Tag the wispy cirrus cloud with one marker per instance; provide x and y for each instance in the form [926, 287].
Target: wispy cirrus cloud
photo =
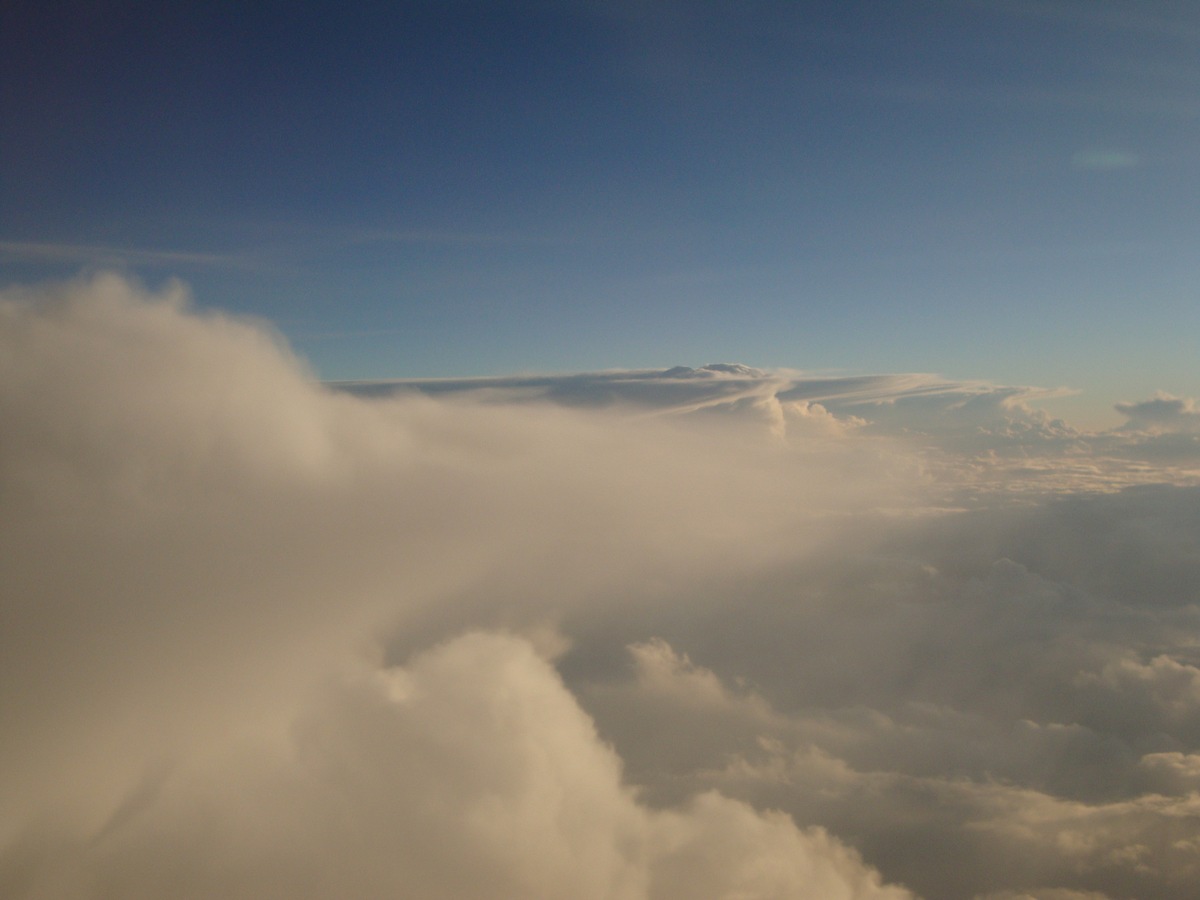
[453, 237]
[104, 256]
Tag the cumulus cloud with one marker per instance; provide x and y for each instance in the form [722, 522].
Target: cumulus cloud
[210, 561]
[714, 632]
[470, 772]
[1160, 414]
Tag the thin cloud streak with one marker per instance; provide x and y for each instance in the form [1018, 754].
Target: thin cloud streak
[105, 256]
[455, 238]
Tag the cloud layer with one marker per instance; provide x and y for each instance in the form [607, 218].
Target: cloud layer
[694, 633]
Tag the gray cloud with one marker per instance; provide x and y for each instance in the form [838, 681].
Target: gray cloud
[712, 632]
[1161, 413]
[1014, 686]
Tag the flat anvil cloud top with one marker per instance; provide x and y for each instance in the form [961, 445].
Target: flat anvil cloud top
[682, 387]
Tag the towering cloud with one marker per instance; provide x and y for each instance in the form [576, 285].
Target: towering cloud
[688, 633]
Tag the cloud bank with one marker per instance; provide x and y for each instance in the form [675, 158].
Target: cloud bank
[690, 633]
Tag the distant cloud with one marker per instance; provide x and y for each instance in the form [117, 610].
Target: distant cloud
[1161, 413]
[1104, 160]
[680, 633]
[1027, 450]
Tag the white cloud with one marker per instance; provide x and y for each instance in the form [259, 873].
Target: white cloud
[470, 772]
[706, 633]
[199, 541]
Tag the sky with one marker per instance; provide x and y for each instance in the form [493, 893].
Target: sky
[607, 451]
[993, 190]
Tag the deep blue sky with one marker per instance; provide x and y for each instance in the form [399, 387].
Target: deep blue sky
[998, 190]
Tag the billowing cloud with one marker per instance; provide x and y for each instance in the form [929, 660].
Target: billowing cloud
[207, 558]
[470, 772]
[713, 632]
